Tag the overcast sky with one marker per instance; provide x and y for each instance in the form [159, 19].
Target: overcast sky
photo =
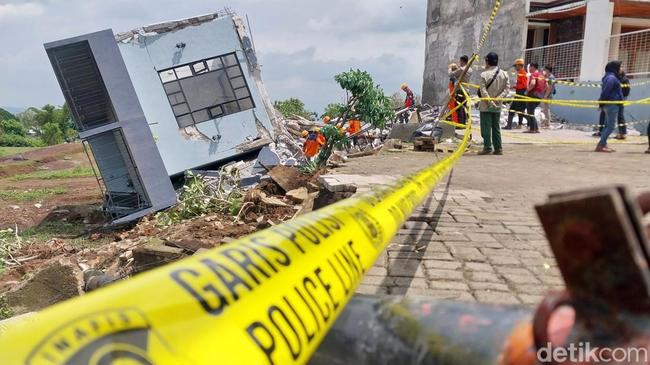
[301, 43]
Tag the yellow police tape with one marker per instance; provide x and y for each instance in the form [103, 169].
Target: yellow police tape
[269, 298]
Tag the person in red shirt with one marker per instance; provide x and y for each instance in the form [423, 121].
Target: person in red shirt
[536, 89]
[519, 107]
[408, 103]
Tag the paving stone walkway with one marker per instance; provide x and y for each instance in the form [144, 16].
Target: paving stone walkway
[467, 245]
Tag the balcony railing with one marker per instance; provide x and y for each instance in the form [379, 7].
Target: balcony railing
[565, 58]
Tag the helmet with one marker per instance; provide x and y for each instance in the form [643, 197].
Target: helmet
[520, 62]
[404, 86]
[304, 134]
[327, 119]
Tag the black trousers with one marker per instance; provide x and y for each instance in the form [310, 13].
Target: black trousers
[461, 113]
[517, 106]
[530, 110]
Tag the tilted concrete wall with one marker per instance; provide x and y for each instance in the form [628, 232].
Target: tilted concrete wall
[454, 28]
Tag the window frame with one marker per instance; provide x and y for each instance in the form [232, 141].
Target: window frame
[227, 69]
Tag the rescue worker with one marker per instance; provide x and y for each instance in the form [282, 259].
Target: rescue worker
[456, 74]
[315, 140]
[518, 107]
[354, 127]
[409, 102]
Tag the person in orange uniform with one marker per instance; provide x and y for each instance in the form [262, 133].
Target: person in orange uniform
[315, 140]
[354, 127]
[520, 88]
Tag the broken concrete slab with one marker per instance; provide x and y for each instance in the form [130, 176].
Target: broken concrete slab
[288, 178]
[266, 160]
[298, 195]
[403, 132]
[153, 254]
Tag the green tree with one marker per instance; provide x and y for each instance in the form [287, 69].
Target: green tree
[334, 110]
[367, 102]
[28, 118]
[292, 107]
[13, 127]
[5, 115]
[51, 134]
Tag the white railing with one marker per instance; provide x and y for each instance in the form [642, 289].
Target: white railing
[634, 50]
[565, 58]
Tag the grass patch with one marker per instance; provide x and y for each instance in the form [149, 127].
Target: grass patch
[30, 195]
[5, 311]
[10, 151]
[56, 174]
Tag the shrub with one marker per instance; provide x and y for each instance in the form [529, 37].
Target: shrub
[14, 127]
[52, 134]
[12, 140]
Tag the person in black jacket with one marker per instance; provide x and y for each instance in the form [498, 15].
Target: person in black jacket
[625, 85]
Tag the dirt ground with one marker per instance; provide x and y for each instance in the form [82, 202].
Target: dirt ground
[80, 191]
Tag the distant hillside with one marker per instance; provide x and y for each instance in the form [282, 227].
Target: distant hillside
[5, 115]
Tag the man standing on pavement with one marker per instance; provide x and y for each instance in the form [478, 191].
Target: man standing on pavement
[456, 75]
[519, 107]
[548, 94]
[495, 83]
[536, 89]
[612, 92]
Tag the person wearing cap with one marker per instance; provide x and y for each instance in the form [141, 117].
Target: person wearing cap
[409, 102]
[518, 107]
[313, 143]
[455, 75]
[495, 83]
[354, 127]
[327, 119]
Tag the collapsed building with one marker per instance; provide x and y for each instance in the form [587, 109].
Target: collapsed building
[156, 101]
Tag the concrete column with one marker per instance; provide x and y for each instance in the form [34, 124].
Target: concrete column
[615, 43]
[595, 48]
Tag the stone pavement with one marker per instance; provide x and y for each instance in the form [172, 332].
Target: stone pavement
[463, 245]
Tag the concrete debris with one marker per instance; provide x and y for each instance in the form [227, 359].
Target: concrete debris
[153, 254]
[288, 178]
[298, 195]
[266, 160]
[272, 201]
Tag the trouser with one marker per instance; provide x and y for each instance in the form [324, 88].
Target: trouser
[611, 117]
[622, 128]
[530, 110]
[462, 114]
[491, 130]
[404, 117]
[648, 135]
[517, 106]
[546, 110]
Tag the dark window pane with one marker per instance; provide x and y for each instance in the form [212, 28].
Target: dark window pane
[246, 104]
[176, 98]
[181, 109]
[238, 82]
[199, 67]
[231, 60]
[185, 121]
[201, 116]
[167, 76]
[234, 71]
[183, 71]
[216, 112]
[207, 90]
[172, 87]
[215, 64]
[242, 93]
[231, 108]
